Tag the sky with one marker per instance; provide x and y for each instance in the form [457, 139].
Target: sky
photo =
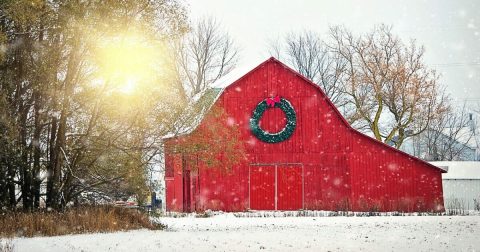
[449, 30]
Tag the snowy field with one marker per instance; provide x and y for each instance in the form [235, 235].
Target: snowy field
[226, 232]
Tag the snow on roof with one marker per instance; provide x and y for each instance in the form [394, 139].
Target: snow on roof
[192, 116]
[464, 136]
[459, 169]
[202, 102]
[237, 73]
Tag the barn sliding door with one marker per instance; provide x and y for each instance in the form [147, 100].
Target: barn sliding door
[276, 187]
[289, 188]
[262, 187]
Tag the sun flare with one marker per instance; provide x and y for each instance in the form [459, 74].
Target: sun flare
[126, 61]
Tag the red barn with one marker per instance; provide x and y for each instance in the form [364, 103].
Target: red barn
[314, 161]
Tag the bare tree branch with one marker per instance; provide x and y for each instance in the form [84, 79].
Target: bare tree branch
[204, 55]
[394, 95]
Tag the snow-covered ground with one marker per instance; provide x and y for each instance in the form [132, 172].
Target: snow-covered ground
[225, 232]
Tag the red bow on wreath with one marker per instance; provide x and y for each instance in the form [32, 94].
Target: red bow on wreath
[271, 101]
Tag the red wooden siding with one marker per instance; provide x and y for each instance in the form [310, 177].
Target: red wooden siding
[325, 164]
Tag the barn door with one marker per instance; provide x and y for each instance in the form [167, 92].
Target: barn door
[186, 191]
[262, 187]
[289, 188]
[276, 187]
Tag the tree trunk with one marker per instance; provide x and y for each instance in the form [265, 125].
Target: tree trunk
[26, 171]
[36, 152]
[11, 185]
[60, 142]
[38, 128]
[51, 165]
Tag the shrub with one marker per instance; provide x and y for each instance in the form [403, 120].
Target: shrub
[476, 204]
[455, 206]
[73, 221]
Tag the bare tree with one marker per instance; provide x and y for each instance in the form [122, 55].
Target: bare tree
[450, 136]
[309, 55]
[476, 108]
[392, 92]
[204, 55]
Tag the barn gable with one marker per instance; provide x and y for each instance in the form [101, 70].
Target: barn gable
[229, 82]
[325, 164]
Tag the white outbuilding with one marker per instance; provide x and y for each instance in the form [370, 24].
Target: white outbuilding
[461, 184]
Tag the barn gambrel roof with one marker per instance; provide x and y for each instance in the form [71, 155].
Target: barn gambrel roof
[237, 75]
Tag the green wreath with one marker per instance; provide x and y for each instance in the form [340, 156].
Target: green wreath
[282, 135]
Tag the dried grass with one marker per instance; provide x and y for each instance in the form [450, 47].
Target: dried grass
[73, 221]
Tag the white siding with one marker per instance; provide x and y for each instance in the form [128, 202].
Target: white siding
[464, 190]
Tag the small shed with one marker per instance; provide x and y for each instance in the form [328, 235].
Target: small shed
[300, 154]
[461, 184]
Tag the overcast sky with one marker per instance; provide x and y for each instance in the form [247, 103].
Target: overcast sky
[449, 30]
